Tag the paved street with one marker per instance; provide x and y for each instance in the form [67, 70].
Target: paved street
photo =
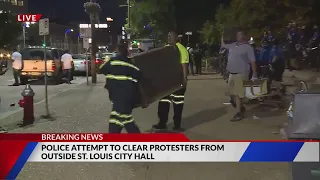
[10, 95]
[86, 109]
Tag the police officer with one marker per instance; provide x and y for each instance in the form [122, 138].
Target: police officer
[177, 98]
[293, 39]
[264, 54]
[256, 53]
[313, 43]
[278, 65]
[122, 84]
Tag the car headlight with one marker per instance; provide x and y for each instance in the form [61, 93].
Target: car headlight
[8, 55]
[1, 55]
[107, 58]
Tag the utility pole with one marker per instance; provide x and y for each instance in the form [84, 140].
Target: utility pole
[128, 5]
[129, 23]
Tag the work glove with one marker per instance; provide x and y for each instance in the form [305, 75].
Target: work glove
[254, 77]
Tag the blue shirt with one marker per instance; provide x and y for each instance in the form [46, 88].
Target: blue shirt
[294, 36]
[276, 52]
[270, 38]
[315, 36]
[257, 54]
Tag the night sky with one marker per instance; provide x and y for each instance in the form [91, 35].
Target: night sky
[72, 10]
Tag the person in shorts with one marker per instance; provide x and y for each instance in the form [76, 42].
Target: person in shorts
[241, 54]
[278, 65]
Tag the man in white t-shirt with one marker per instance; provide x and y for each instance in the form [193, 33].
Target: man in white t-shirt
[66, 59]
[17, 66]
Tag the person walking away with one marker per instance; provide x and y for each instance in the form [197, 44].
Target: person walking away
[198, 58]
[191, 58]
[17, 66]
[177, 98]
[240, 55]
[122, 79]
[278, 65]
[66, 59]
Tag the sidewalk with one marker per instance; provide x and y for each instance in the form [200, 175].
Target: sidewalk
[86, 109]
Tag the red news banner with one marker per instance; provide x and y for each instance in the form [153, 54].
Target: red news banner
[28, 17]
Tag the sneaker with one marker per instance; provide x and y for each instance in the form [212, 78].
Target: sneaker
[237, 117]
[159, 127]
[15, 84]
[3, 131]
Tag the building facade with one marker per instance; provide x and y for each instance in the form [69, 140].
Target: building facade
[14, 6]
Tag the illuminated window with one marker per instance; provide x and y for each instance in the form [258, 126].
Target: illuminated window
[14, 2]
[20, 3]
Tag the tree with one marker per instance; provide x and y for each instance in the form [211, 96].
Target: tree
[10, 29]
[151, 18]
[259, 15]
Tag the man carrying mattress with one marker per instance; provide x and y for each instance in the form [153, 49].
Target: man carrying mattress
[177, 98]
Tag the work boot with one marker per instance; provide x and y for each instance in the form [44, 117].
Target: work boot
[237, 117]
[159, 127]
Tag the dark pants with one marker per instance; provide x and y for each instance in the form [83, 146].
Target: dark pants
[121, 117]
[177, 98]
[68, 74]
[191, 67]
[16, 75]
[313, 58]
[262, 69]
[292, 54]
[198, 65]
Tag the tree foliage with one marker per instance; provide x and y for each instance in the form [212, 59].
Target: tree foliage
[151, 18]
[10, 29]
[259, 15]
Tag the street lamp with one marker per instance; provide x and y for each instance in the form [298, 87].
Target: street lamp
[25, 25]
[66, 36]
[128, 5]
[109, 19]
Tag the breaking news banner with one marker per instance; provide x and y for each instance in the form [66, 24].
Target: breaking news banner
[91, 147]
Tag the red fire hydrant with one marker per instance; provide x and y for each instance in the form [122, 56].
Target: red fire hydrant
[27, 104]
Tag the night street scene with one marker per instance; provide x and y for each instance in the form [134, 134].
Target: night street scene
[213, 70]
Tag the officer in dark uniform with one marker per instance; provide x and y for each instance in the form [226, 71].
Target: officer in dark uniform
[314, 47]
[264, 54]
[122, 83]
[293, 39]
[177, 98]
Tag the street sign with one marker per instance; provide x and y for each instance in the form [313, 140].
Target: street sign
[180, 35]
[188, 33]
[86, 43]
[85, 32]
[44, 27]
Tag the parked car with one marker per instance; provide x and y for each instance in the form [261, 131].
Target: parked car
[34, 64]
[107, 56]
[4, 58]
[80, 62]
